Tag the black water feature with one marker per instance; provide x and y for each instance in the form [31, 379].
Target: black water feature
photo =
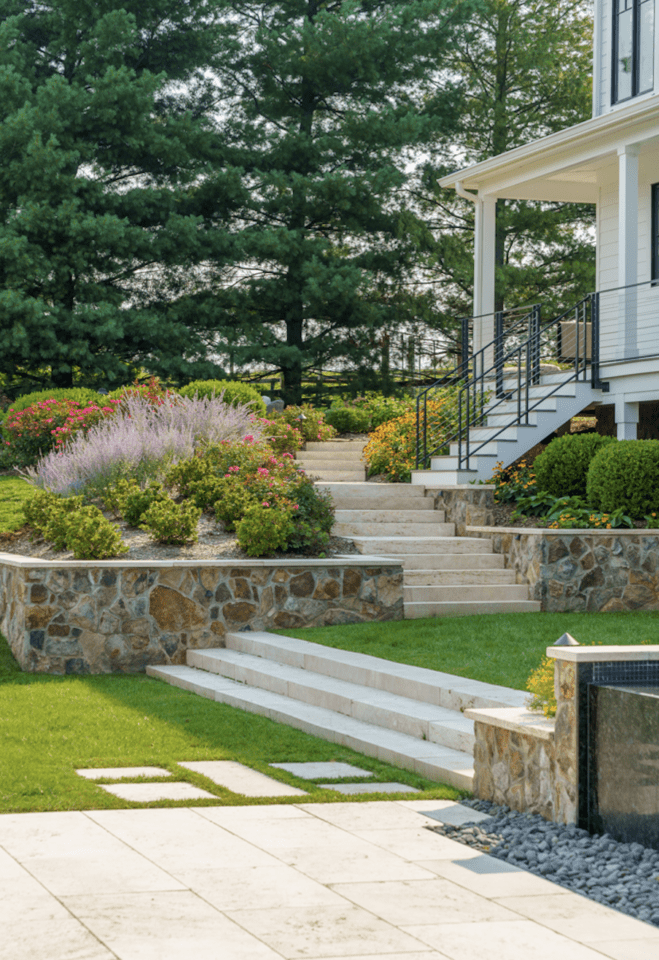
[620, 705]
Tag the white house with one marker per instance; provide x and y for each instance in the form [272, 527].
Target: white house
[611, 161]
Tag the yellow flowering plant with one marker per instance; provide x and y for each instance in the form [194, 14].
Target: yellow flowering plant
[391, 448]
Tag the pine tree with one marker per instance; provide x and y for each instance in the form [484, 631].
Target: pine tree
[322, 104]
[101, 135]
[526, 69]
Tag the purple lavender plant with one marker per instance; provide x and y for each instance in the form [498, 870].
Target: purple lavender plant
[141, 442]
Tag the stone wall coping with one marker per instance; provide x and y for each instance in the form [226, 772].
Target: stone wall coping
[580, 532]
[517, 719]
[604, 654]
[461, 486]
[348, 560]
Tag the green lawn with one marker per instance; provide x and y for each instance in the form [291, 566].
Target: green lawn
[13, 493]
[49, 726]
[500, 648]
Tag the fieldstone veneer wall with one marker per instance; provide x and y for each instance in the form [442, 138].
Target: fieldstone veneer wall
[572, 570]
[117, 616]
[465, 505]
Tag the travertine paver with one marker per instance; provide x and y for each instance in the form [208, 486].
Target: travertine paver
[352, 788]
[340, 881]
[117, 773]
[329, 770]
[241, 779]
[151, 792]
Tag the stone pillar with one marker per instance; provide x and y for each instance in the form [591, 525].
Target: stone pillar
[626, 420]
[627, 250]
[566, 741]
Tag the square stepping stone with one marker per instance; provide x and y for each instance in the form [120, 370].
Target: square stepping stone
[350, 788]
[151, 792]
[332, 770]
[243, 780]
[456, 815]
[117, 773]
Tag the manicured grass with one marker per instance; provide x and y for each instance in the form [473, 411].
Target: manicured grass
[500, 648]
[50, 726]
[13, 493]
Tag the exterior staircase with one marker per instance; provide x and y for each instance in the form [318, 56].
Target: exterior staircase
[444, 575]
[334, 460]
[407, 716]
[554, 401]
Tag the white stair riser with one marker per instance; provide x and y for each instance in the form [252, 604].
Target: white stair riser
[428, 519]
[453, 577]
[449, 593]
[420, 610]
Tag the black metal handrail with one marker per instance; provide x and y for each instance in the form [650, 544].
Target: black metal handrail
[484, 387]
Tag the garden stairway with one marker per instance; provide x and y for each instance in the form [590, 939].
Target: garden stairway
[334, 460]
[408, 716]
[444, 575]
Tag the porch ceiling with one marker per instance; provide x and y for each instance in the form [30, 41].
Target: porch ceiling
[568, 166]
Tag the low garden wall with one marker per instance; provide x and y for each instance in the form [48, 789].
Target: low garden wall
[465, 505]
[118, 616]
[576, 570]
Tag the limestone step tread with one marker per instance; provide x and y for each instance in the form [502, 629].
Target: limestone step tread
[459, 562]
[392, 528]
[443, 593]
[392, 711]
[458, 577]
[429, 759]
[416, 610]
[414, 505]
[368, 515]
[418, 683]
[383, 546]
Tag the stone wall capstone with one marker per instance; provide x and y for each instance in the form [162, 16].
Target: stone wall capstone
[115, 616]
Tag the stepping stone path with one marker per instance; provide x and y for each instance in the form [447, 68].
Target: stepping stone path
[444, 575]
[404, 715]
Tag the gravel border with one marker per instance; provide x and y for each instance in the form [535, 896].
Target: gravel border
[624, 876]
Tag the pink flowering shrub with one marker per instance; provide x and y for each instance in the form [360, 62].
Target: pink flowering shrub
[283, 437]
[309, 421]
[34, 431]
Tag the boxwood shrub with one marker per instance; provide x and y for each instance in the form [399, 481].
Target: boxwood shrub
[625, 474]
[561, 469]
[234, 392]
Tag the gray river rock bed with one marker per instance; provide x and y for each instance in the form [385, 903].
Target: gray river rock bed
[624, 876]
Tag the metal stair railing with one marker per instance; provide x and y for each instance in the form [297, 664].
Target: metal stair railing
[573, 336]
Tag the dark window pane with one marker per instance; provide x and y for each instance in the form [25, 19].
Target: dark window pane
[655, 231]
[646, 46]
[625, 70]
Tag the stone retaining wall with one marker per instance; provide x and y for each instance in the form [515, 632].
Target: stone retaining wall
[117, 616]
[576, 570]
[465, 505]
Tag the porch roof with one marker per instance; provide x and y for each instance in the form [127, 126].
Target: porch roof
[568, 166]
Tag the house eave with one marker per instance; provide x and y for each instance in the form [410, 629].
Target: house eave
[587, 141]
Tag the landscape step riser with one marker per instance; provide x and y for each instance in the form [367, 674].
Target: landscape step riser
[436, 517]
[405, 529]
[382, 546]
[450, 593]
[453, 561]
[421, 610]
[412, 506]
[455, 577]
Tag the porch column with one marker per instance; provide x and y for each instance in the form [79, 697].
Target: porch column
[626, 420]
[627, 249]
[484, 263]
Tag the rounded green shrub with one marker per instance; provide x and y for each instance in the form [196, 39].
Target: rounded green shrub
[263, 530]
[135, 502]
[348, 419]
[234, 393]
[81, 394]
[625, 474]
[561, 468]
[170, 522]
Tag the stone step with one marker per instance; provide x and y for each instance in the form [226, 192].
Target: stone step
[418, 683]
[335, 446]
[428, 759]
[452, 561]
[442, 477]
[324, 473]
[408, 504]
[355, 529]
[344, 455]
[422, 720]
[379, 515]
[395, 546]
[453, 592]
[468, 608]
[451, 575]
[363, 489]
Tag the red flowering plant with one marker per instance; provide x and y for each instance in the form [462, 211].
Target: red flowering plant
[35, 431]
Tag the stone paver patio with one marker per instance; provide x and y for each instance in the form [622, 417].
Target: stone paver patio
[357, 881]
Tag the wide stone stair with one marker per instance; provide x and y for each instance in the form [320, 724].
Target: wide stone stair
[407, 716]
[334, 460]
[444, 575]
